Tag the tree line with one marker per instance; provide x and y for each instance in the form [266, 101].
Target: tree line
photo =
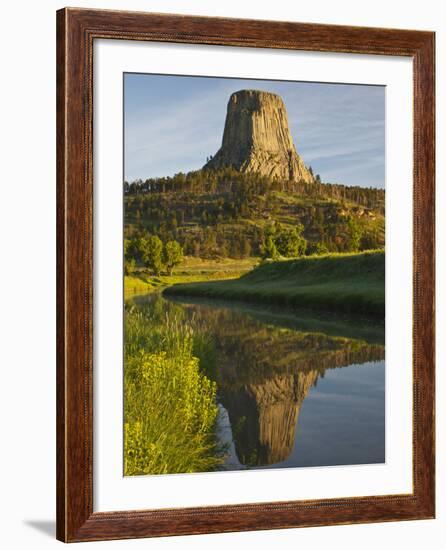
[227, 179]
[151, 252]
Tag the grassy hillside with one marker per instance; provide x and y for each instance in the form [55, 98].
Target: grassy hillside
[351, 283]
[230, 214]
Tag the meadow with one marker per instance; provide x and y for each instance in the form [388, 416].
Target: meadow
[191, 270]
[350, 283]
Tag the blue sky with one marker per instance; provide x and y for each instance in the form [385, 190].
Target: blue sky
[172, 123]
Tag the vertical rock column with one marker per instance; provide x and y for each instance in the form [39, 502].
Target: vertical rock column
[257, 138]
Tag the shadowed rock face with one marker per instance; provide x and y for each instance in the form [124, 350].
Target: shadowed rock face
[257, 138]
[270, 412]
[265, 376]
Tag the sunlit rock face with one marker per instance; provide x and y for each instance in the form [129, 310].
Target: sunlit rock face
[257, 138]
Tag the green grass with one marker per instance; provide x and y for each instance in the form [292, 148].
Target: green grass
[191, 270]
[352, 283]
[170, 408]
[136, 284]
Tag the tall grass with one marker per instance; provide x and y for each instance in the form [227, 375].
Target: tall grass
[170, 409]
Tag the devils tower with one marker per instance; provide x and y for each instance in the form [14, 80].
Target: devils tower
[257, 138]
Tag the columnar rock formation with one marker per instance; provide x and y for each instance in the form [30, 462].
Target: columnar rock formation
[265, 372]
[270, 411]
[264, 413]
[257, 138]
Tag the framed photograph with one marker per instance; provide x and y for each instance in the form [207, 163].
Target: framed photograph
[245, 275]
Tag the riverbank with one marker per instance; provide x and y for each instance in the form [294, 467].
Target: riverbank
[351, 283]
[191, 270]
[170, 403]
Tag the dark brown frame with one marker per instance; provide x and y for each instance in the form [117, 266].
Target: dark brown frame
[76, 31]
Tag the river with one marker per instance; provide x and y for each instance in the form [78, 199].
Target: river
[295, 389]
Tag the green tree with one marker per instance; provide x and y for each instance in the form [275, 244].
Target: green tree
[173, 255]
[370, 240]
[153, 254]
[269, 249]
[129, 257]
[355, 234]
[290, 243]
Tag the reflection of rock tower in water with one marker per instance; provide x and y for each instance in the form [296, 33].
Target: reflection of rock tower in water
[264, 417]
[264, 373]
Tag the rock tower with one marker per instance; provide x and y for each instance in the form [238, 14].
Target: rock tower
[257, 138]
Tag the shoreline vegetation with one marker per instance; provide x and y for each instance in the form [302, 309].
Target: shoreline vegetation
[191, 270]
[170, 405]
[347, 283]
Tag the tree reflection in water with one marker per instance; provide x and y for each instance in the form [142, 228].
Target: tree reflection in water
[265, 364]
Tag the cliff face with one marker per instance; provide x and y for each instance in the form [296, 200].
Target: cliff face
[257, 138]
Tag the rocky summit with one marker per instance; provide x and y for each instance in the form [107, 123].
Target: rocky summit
[257, 138]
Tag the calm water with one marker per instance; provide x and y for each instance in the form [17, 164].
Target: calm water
[294, 389]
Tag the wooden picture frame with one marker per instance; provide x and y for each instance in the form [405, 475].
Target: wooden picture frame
[76, 31]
